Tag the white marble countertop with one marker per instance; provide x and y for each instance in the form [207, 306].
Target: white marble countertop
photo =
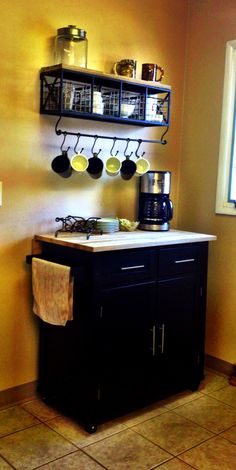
[123, 240]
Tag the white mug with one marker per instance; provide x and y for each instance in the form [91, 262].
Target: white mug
[127, 109]
[151, 107]
[68, 95]
[98, 105]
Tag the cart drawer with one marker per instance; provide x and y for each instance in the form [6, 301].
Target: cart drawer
[127, 267]
[177, 260]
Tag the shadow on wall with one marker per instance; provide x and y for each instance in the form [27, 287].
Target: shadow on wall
[120, 197]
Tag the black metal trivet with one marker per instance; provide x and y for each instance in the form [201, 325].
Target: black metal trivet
[73, 223]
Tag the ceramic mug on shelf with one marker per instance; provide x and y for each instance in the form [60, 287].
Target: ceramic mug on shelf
[68, 95]
[150, 72]
[151, 107]
[98, 105]
[126, 109]
[125, 67]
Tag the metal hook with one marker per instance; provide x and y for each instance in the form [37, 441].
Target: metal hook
[127, 156]
[95, 139]
[75, 147]
[64, 138]
[136, 152]
[113, 145]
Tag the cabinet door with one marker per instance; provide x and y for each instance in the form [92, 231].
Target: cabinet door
[125, 345]
[178, 330]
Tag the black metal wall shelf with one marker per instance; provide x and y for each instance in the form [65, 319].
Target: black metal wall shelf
[69, 92]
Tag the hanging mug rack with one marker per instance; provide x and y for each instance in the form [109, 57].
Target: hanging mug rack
[94, 165]
[127, 139]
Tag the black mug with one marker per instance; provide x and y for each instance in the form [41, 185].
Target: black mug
[95, 166]
[61, 165]
[128, 168]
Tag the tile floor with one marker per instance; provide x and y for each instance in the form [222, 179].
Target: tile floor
[187, 431]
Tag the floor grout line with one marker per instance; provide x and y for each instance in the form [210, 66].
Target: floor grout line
[129, 427]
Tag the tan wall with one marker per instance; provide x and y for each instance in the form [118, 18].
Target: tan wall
[150, 31]
[212, 23]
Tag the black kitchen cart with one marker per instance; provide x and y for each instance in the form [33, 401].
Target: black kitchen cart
[138, 330]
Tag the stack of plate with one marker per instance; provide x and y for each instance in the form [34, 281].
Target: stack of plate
[107, 225]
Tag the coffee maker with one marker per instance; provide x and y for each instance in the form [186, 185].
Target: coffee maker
[155, 208]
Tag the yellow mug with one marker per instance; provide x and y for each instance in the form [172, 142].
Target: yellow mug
[79, 163]
[142, 166]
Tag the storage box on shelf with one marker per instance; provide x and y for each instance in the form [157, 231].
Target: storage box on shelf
[71, 92]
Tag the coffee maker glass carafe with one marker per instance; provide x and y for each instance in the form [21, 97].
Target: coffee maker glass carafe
[155, 207]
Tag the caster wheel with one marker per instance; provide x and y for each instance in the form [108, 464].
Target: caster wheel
[48, 399]
[194, 386]
[90, 428]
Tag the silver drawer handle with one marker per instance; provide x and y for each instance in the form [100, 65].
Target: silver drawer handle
[126, 268]
[187, 260]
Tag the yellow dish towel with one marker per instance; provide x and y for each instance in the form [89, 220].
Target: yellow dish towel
[52, 285]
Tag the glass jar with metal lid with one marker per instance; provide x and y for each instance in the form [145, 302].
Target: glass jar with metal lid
[71, 46]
